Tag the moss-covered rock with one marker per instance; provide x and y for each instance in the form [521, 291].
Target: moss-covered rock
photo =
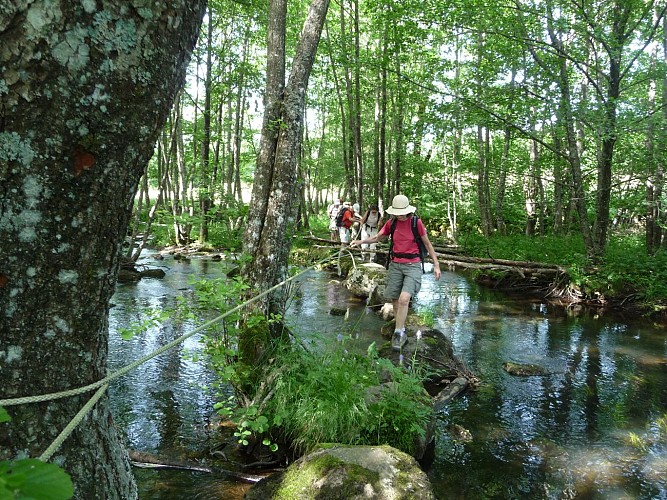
[523, 369]
[336, 471]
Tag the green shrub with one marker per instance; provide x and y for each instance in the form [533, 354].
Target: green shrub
[326, 397]
[561, 250]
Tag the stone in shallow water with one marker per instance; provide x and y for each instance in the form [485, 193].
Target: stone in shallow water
[339, 471]
[523, 369]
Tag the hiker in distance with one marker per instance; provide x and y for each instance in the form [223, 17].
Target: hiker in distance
[332, 212]
[404, 276]
[371, 222]
[344, 220]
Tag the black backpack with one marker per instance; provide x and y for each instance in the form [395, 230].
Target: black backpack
[339, 217]
[423, 252]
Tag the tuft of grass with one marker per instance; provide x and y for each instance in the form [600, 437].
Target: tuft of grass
[333, 396]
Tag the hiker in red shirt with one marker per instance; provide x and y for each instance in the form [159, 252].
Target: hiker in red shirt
[345, 221]
[404, 275]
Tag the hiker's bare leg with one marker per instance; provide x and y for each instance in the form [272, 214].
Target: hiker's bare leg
[401, 310]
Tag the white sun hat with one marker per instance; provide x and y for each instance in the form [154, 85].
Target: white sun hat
[400, 205]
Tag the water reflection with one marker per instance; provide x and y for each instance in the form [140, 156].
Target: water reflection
[565, 434]
[589, 428]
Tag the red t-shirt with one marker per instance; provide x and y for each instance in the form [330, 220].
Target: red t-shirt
[348, 220]
[404, 240]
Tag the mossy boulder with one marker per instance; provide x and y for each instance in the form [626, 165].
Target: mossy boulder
[364, 279]
[335, 471]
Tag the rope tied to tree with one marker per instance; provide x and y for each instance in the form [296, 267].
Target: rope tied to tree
[103, 384]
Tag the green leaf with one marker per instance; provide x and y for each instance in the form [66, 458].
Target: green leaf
[4, 416]
[126, 333]
[34, 479]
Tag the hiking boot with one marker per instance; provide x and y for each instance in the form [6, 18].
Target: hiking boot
[398, 340]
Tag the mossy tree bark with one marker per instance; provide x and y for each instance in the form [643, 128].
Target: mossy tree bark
[85, 90]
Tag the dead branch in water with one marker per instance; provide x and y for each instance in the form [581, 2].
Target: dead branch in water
[524, 269]
[147, 461]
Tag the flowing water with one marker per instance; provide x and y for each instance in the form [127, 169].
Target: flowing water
[593, 426]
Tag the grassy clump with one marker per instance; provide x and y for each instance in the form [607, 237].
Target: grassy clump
[561, 250]
[627, 269]
[334, 396]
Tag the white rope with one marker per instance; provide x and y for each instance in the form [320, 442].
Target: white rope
[103, 384]
[122, 371]
[340, 252]
[64, 434]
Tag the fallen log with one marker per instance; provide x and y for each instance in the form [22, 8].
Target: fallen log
[543, 271]
[456, 387]
[148, 461]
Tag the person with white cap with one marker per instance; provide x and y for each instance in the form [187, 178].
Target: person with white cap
[404, 275]
[332, 212]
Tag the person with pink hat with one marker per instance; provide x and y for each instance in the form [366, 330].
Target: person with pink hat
[404, 275]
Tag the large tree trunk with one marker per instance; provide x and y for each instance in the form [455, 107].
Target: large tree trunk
[87, 88]
[275, 200]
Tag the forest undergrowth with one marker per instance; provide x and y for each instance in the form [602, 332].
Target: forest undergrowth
[626, 277]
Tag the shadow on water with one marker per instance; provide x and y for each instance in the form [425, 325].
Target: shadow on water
[594, 426]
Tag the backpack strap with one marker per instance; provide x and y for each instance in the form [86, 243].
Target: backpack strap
[418, 240]
[394, 220]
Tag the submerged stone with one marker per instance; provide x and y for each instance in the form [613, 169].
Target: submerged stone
[523, 369]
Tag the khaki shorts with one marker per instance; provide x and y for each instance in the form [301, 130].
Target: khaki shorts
[403, 278]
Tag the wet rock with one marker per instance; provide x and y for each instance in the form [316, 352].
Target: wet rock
[523, 369]
[128, 275]
[460, 433]
[338, 311]
[432, 351]
[152, 273]
[431, 347]
[451, 390]
[338, 471]
[364, 279]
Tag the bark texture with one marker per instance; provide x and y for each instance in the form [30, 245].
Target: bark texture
[84, 89]
[275, 200]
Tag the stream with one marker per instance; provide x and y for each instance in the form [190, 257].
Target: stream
[595, 426]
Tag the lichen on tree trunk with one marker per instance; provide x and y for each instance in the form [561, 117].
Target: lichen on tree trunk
[86, 87]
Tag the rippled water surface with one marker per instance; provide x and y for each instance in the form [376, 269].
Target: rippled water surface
[592, 427]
